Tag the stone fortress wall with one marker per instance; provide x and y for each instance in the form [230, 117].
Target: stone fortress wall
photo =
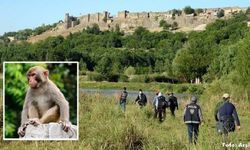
[130, 20]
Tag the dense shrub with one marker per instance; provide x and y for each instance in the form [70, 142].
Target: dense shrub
[93, 76]
[188, 10]
[196, 89]
[113, 77]
[123, 78]
[140, 78]
[180, 88]
[162, 78]
[129, 71]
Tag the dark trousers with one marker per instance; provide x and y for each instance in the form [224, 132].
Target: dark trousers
[161, 113]
[172, 109]
[141, 104]
[155, 115]
[193, 128]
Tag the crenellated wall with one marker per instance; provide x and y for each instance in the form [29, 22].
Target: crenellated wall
[130, 20]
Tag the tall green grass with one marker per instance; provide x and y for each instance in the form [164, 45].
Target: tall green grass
[107, 127]
[104, 126]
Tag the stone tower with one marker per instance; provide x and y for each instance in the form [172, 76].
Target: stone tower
[67, 21]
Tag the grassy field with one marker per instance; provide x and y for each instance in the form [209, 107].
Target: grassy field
[104, 126]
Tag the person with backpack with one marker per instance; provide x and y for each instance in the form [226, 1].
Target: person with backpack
[123, 99]
[141, 99]
[172, 103]
[160, 107]
[192, 118]
[226, 116]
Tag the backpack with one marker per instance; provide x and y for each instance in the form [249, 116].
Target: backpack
[161, 102]
[144, 98]
[173, 101]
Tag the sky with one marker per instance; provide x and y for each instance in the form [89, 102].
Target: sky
[21, 14]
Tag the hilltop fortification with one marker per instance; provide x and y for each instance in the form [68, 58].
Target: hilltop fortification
[129, 21]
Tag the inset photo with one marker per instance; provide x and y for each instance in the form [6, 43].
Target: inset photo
[40, 100]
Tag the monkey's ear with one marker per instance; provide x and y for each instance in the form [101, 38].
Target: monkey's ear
[46, 73]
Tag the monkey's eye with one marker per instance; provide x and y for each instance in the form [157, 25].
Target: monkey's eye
[33, 74]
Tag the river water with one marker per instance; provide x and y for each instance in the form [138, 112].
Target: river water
[132, 95]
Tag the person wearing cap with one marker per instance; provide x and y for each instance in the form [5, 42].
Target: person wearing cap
[192, 118]
[141, 99]
[226, 116]
[123, 98]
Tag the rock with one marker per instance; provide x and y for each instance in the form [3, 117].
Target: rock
[50, 131]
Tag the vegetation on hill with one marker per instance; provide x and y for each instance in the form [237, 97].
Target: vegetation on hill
[23, 35]
[221, 52]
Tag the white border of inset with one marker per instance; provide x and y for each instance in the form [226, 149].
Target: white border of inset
[40, 62]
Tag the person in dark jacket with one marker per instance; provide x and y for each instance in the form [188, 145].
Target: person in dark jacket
[173, 103]
[226, 116]
[141, 99]
[193, 118]
[123, 98]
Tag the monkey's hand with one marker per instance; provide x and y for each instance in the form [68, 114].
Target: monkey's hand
[66, 125]
[21, 129]
[35, 121]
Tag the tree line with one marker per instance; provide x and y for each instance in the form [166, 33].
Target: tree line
[218, 51]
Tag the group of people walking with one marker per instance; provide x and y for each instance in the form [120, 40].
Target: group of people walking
[225, 112]
[160, 104]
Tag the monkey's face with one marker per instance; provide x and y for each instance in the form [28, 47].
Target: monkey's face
[33, 79]
[36, 76]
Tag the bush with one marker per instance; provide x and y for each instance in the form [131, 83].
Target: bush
[140, 78]
[129, 71]
[221, 13]
[162, 78]
[199, 10]
[248, 10]
[181, 88]
[164, 25]
[152, 78]
[93, 76]
[196, 89]
[123, 78]
[188, 10]
[113, 77]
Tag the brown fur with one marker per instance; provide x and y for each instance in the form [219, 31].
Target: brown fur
[44, 102]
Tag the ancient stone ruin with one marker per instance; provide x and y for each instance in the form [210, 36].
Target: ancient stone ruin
[129, 21]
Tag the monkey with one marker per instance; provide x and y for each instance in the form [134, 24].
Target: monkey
[44, 102]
